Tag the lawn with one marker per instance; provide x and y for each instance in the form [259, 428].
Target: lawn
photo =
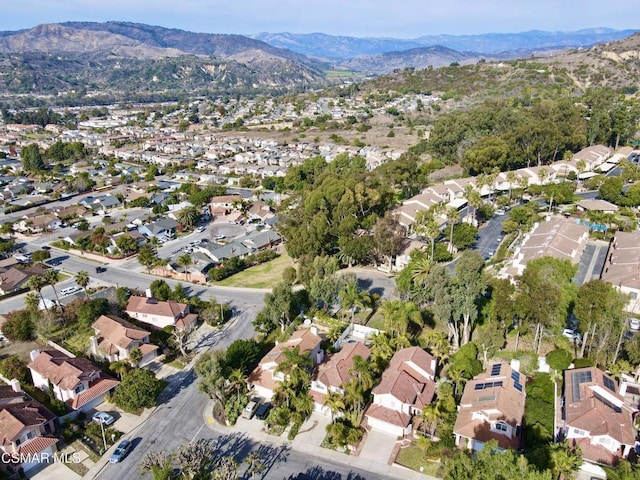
[265, 275]
[376, 321]
[413, 458]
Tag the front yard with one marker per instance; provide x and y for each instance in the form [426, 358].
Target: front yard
[412, 457]
[265, 275]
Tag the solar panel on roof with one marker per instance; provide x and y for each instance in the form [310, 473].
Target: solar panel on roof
[495, 369]
[609, 383]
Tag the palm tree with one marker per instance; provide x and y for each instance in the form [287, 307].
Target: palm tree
[120, 367]
[381, 348]
[354, 397]
[427, 227]
[32, 301]
[51, 277]
[188, 217]
[361, 372]
[185, 261]
[453, 216]
[423, 444]
[429, 417]
[564, 460]
[351, 297]
[285, 391]
[458, 378]
[398, 315]
[334, 401]
[511, 178]
[236, 382]
[82, 279]
[473, 198]
[295, 367]
[36, 283]
[420, 270]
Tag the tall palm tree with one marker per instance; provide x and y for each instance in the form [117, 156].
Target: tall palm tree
[334, 401]
[511, 179]
[36, 283]
[295, 367]
[32, 301]
[458, 378]
[185, 261]
[236, 382]
[453, 216]
[420, 270]
[351, 297]
[354, 398]
[82, 279]
[564, 460]
[429, 417]
[398, 315]
[427, 227]
[473, 198]
[51, 277]
[361, 372]
[381, 348]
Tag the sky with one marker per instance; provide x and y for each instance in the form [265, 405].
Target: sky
[357, 18]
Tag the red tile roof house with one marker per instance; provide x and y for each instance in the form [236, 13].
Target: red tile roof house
[26, 429]
[596, 416]
[492, 408]
[160, 314]
[264, 380]
[115, 338]
[333, 374]
[406, 387]
[75, 381]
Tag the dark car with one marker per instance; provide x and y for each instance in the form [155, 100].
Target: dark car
[121, 451]
[263, 411]
[101, 269]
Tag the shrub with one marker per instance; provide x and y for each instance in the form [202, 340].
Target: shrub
[19, 326]
[139, 389]
[559, 359]
[583, 362]
[12, 367]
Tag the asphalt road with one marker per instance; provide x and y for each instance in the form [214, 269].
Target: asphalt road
[180, 419]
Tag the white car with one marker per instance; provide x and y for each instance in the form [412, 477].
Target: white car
[572, 335]
[103, 418]
[70, 290]
[634, 324]
[500, 212]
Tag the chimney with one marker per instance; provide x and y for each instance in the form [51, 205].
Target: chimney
[33, 354]
[15, 385]
[515, 364]
[93, 342]
[147, 293]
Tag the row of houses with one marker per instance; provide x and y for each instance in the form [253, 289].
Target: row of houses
[597, 417]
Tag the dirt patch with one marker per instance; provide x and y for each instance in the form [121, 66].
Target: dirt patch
[21, 349]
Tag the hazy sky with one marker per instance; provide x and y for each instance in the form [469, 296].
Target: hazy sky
[360, 18]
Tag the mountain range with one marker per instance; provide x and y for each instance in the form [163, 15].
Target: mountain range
[143, 61]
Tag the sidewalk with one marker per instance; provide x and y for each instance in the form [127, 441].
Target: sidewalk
[308, 442]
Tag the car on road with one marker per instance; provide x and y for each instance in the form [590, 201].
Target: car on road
[103, 418]
[202, 228]
[101, 269]
[219, 237]
[634, 324]
[70, 290]
[500, 212]
[572, 334]
[263, 410]
[46, 247]
[251, 408]
[123, 448]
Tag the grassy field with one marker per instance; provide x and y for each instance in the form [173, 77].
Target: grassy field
[265, 275]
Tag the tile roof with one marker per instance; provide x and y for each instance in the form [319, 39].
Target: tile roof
[304, 339]
[592, 404]
[403, 380]
[622, 265]
[152, 306]
[63, 370]
[498, 399]
[114, 331]
[96, 389]
[335, 371]
[388, 415]
[37, 445]
[14, 418]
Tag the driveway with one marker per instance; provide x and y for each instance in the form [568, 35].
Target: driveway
[54, 470]
[378, 446]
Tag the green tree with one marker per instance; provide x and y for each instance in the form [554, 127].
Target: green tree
[36, 283]
[139, 389]
[82, 279]
[185, 261]
[188, 217]
[565, 460]
[398, 316]
[334, 401]
[148, 256]
[472, 285]
[31, 159]
[463, 235]
[126, 244]
[51, 277]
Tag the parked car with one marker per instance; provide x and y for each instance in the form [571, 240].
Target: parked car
[251, 408]
[263, 411]
[500, 212]
[572, 335]
[70, 290]
[634, 324]
[103, 418]
[123, 448]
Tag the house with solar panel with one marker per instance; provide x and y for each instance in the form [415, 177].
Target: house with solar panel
[492, 408]
[596, 417]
